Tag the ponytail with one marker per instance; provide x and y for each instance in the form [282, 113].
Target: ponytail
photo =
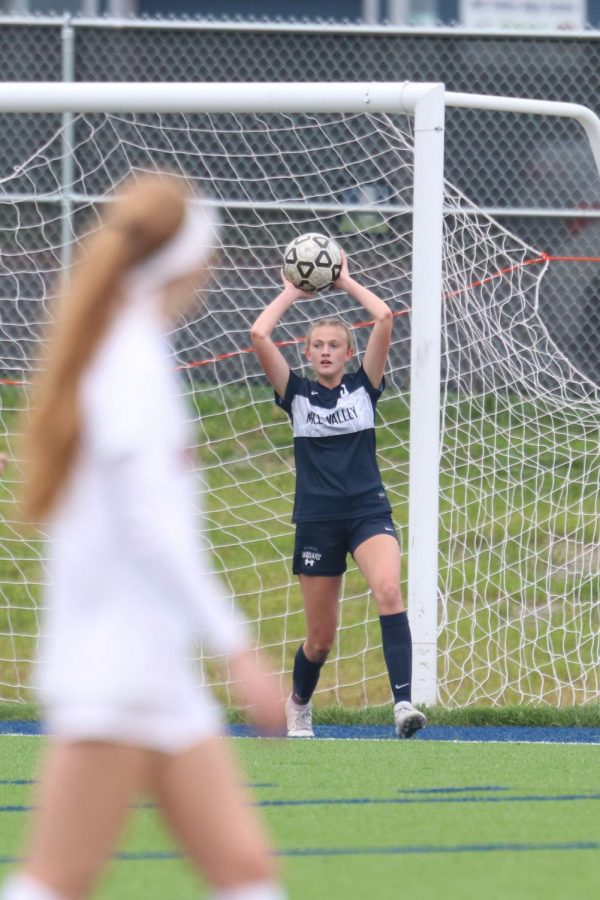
[144, 216]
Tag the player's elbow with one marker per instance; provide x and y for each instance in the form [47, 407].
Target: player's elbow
[385, 314]
[258, 334]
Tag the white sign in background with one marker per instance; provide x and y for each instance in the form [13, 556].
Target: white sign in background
[563, 15]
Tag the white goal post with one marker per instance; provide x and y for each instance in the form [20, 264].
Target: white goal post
[425, 104]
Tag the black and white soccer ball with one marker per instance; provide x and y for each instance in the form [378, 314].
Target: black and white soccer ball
[312, 262]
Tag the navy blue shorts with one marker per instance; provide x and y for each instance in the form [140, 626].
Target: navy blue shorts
[321, 547]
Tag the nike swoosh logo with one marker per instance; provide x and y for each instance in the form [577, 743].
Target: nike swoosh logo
[398, 686]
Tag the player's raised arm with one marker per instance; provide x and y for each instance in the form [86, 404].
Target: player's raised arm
[378, 347]
[271, 358]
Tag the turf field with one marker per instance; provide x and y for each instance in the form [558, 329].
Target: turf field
[379, 819]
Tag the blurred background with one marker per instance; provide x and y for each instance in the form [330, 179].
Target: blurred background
[534, 175]
[562, 14]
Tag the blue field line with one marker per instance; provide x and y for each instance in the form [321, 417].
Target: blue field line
[479, 733]
[411, 801]
[18, 781]
[378, 801]
[408, 850]
[453, 848]
[453, 790]
[19, 726]
[263, 784]
[250, 784]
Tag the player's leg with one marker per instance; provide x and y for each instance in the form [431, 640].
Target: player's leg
[378, 557]
[202, 796]
[84, 797]
[319, 562]
[320, 596]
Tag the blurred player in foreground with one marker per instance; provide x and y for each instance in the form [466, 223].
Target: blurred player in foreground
[340, 505]
[109, 470]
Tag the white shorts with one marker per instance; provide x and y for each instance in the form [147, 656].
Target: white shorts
[109, 673]
[167, 731]
[153, 697]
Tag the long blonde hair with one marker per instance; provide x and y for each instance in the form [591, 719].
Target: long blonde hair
[146, 213]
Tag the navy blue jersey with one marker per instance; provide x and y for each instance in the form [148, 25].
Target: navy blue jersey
[334, 446]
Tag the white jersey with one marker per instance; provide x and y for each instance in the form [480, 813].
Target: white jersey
[129, 587]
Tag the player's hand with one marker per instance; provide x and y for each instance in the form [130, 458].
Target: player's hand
[258, 691]
[344, 277]
[292, 289]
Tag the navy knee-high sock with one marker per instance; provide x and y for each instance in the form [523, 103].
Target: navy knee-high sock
[397, 650]
[305, 677]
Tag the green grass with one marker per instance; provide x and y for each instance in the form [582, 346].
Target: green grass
[587, 716]
[440, 866]
[519, 557]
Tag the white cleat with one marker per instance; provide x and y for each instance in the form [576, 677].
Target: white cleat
[299, 719]
[408, 720]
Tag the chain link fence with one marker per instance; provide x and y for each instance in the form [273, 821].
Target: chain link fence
[536, 176]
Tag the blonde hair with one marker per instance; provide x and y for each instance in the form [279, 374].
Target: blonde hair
[146, 213]
[333, 322]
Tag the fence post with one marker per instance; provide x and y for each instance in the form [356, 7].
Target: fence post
[67, 162]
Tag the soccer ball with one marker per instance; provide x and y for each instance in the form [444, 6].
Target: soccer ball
[312, 262]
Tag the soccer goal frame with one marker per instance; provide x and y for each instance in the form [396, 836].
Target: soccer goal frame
[426, 104]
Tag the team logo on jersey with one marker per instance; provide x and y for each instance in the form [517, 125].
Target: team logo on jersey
[352, 412]
[345, 414]
[310, 557]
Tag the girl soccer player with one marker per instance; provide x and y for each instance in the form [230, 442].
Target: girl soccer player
[109, 469]
[340, 504]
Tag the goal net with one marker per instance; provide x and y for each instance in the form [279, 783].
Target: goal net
[519, 538]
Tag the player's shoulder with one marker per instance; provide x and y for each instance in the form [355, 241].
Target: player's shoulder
[297, 386]
[354, 381]
[300, 384]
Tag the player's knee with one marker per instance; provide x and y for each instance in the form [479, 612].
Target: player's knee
[388, 598]
[318, 647]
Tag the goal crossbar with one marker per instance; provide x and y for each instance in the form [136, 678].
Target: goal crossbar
[211, 97]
